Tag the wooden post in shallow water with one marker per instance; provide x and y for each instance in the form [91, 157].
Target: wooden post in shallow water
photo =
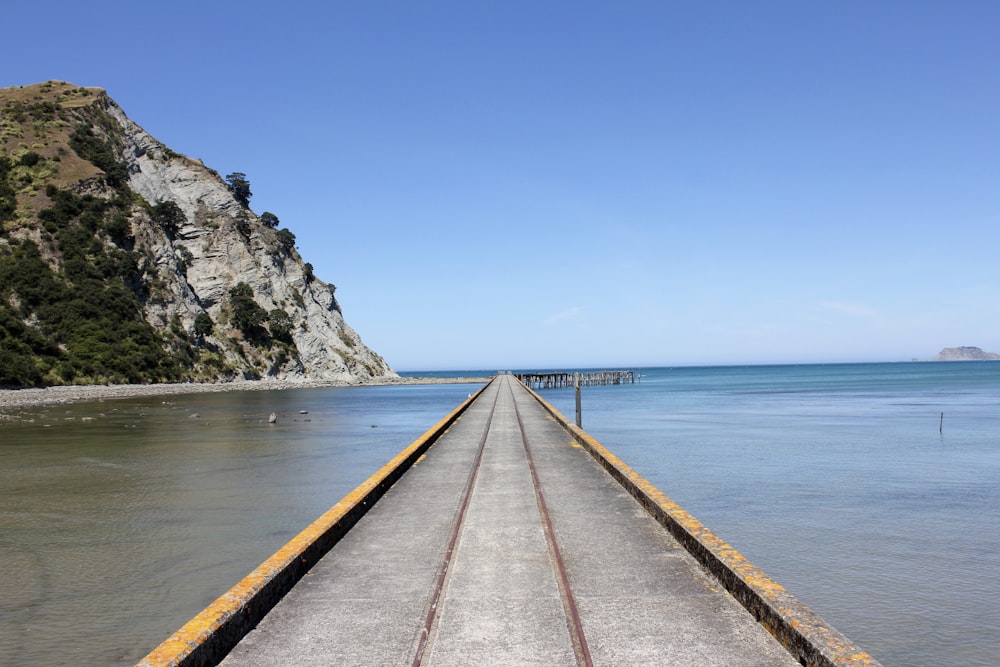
[941, 424]
[560, 379]
[579, 410]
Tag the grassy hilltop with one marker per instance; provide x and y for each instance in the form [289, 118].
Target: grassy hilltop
[70, 282]
[122, 261]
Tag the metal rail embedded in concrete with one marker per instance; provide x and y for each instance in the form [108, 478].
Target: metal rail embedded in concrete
[209, 636]
[802, 632]
[506, 543]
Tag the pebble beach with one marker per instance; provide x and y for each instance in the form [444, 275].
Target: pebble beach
[14, 399]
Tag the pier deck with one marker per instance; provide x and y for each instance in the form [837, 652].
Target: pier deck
[508, 544]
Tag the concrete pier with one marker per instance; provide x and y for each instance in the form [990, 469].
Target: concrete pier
[514, 539]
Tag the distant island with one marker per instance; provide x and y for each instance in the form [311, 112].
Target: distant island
[966, 354]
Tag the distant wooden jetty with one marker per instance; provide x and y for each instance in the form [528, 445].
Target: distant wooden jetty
[561, 379]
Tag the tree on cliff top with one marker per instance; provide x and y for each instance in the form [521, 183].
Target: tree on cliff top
[240, 187]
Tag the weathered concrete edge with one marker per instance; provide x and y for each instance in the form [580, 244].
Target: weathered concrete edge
[800, 630]
[208, 637]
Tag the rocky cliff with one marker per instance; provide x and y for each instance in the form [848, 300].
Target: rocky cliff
[965, 354]
[124, 261]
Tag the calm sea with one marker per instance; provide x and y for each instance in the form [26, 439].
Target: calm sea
[121, 520]
[842, 482]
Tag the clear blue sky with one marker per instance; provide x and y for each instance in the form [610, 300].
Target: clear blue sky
[549, 184]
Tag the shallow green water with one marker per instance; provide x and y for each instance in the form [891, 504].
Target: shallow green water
[120, 520]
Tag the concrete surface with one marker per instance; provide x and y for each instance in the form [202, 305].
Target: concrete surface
[642, 598]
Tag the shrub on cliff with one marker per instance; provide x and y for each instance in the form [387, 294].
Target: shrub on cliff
[286, 238]
[247, 314]
[280, 324]
[100, 153]
[169, 216]
[203, 325]
[269, 219]
[8, 201]
[240, 187]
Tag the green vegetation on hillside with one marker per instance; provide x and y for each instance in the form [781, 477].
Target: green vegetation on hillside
[8, 196]
[84, 268]
[100, 153]
[248, 316]
[87, 323]
[170, 216]
[71, 292]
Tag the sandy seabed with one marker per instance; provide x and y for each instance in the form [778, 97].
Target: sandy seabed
[23, 398]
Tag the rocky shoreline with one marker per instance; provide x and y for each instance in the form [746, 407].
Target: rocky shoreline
[24, 398]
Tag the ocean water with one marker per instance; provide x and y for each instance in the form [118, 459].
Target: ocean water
[842, 482]
[120, 520]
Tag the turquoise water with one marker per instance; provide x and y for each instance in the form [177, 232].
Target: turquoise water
[842, 482]
[120, 520]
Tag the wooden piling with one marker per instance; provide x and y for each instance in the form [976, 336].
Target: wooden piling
[562, 379]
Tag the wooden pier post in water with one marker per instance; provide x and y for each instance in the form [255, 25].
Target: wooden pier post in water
[562, 379]
[579, 411]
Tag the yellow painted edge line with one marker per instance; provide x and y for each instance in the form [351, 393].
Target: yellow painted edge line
[800, 630]
[180, 646]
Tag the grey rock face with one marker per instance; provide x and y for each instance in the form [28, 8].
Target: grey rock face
[218, 245]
